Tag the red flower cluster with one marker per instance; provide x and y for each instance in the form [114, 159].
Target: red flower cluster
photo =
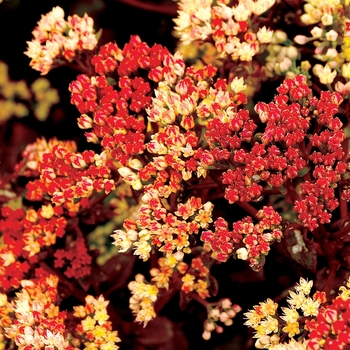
[67, 176]
[318, 198]
[24, 234]
[256, 238]
[331, 328]
[77, 256]
[286, 150]
[197, 278]
[119, 94]
[222, 240]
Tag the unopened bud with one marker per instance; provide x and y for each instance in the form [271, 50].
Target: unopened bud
[242, 253]
[301, 39]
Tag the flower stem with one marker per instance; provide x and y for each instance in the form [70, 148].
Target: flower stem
[333, 269]
[341, 233]
[248, 207]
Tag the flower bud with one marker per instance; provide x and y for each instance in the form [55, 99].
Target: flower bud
[209, 326]
[279, 37]
[345, 72]
[305, 66]
[219, 329]
[206, 335]
[85, 122]
[135, 164]
[242, 253]
[301, 39]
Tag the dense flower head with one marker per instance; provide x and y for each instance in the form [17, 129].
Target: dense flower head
[66, 175]
[56, 38]
[112, 103]
[174, 137]
[78, 258]
[330, 329]
[256, 239]
[196, 278]
[38, 323]
[24, 235]
[157, 227]
[291, 345]
[33, 153]
[270, 326]
[95, 330]
[289, 121]
[330, 36]
[161, 276]
[193, 20]
[229, 27]
[219, 313]
[282, 56]
[142, 300]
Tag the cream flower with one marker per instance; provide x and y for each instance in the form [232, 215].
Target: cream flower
[325, 74]
[264, 35]
[238, 85]
[292, 345]
[345, 71]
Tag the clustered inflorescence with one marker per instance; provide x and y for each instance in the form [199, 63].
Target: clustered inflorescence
[172, 138]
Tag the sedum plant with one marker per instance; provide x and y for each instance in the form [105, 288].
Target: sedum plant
[173, 137]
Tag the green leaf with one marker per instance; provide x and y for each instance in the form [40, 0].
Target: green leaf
[303, 171]
[283, 190]
[184, 300]
[14, 203]
[159, 331]
[98, 34]
[111, 81]
[301, 251]
[92, 7]
[213, 286]
[347, 131]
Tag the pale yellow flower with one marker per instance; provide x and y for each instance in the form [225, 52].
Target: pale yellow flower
[246, 52]
[238, 85]
[269, 307]
[304, 286]
[346, 70]
[310, 307]
[296, 299]
[47, 211]
[325, 74]
[292, 328]
[292, 345]
[290, 315]
[270, 324]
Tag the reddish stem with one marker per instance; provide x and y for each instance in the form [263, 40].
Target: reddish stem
[309, 146]
[344, 231]
[201, 301]
[69, 286]
[270, 192]
[343, 206]
[333, 269]
[175, 286]
[291, 193]
[336, 225]
[248, 207]
[166, 9]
